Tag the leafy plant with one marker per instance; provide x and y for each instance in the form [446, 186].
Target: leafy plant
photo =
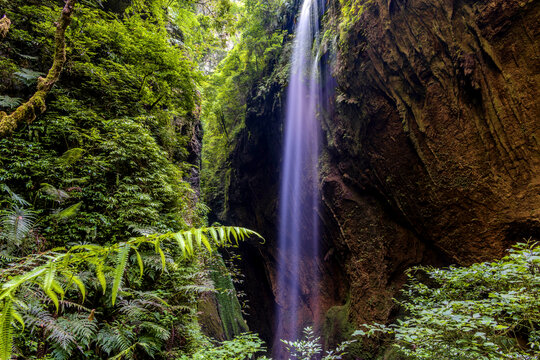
[309, 348]
[242, 347]
[55, 272]
[9, 102]
[482, 312]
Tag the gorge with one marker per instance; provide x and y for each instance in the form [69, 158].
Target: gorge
[422, 159]
[256, 179]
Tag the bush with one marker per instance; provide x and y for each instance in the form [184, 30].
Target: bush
[486, 311]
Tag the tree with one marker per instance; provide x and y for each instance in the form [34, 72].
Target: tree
[36, 104]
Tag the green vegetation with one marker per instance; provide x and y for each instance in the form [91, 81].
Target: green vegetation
[482, 312]
[104, 245]
[237, 78]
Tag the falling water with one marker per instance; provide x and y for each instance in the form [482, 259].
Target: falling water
[297, 274]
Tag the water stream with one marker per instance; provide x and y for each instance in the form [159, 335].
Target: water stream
[298, 237]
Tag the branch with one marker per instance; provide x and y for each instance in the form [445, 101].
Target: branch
[36, 105]
[5, 23]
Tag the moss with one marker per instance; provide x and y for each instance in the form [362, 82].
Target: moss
[209, 319]
[229, 307]
[338, 327]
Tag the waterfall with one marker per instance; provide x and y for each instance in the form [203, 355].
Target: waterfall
[298, 238]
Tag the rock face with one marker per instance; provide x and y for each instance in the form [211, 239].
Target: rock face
[432, 153]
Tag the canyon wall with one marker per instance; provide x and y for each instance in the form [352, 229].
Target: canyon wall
[431, 152]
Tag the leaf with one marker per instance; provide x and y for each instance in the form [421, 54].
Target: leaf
[206, 243]
[49, 276]
[11, 286]
[139, 261]
[9, 102]
[188, 242]
[28, 76]
[121, 261]
[69, 212]
[18, 318]
[78, 282]
[52, 295]
[54, 193]
[101, 277]
[6, 331]
[162, 256]
[181, 243]
[213, 234]
[70, 157]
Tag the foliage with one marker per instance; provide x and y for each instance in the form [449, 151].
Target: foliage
[229, 308]
[309, 348]
[227, 91]
[55, 272]
[486, 311]
[242, 347]
[115, 135]
[111, 162]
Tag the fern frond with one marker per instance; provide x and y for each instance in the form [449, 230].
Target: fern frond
[199, 289]
[9, 102]
[17, 223]
[69, 211]
[70, 157]
[14, 197]
[121, 262]
[6, 330]
[28, 76]
[157, 330]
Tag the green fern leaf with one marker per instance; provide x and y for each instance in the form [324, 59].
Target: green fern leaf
[70, 157]
[69, 211]
[52, 295]
[222, 237]
[206, 243]
[9, 102]
[139, 261]
[162, 256]
[58, 289]
[121, 261]
[18, 318]
[6, 331]
[28, 76]
[71, 278]
[49, 276]
[188, 242]
[181, 242]
[213, 234]
[101, 277]
[11, 286]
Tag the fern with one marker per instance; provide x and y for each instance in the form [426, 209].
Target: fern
[9, 102]
[68, 212]
[55, 194]
[6, 334]
[70, 157]
[121, 262]
[17, 223]
[48, 268]
[28, 76]
[14, 197]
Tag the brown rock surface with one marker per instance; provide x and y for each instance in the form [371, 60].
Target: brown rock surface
[438, 116]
